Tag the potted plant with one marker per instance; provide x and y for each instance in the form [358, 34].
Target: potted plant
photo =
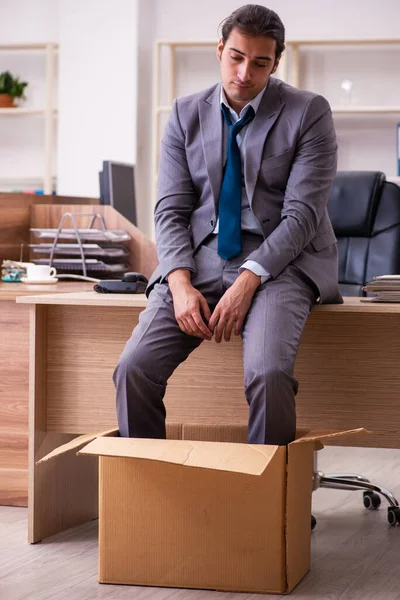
[10, 88]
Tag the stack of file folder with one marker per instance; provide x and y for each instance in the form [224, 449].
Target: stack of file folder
[104, 253]
[385, 287]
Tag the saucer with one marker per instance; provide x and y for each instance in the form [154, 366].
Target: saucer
[39, 281]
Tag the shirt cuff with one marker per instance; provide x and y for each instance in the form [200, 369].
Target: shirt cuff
[257, 269]
[164, 278]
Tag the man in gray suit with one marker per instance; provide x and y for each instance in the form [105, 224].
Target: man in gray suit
[244, 240]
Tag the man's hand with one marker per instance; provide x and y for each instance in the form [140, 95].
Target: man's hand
[231, 310]
[188, 305]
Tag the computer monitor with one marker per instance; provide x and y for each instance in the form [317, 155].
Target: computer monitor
[117, 188]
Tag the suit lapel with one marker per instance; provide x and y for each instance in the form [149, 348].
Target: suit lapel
[211, 127]
[267, 113]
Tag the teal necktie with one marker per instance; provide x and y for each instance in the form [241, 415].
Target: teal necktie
[230, 198]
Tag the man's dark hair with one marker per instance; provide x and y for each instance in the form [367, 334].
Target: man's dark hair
[256, 20]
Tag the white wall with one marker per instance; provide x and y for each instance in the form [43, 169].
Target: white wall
[28, 21]
[22, 138]
[307, 19]
[97, 90]
[144, 172]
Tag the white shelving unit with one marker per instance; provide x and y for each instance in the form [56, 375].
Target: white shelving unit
[15, 112]
[290, 63]
[48, 112]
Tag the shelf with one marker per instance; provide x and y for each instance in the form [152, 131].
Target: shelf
[161, 109]
[23, 178]
[185, 43]
[362, 110]
[379, 110]
[344, 42]
[46, 112]
[14, 112]
[16, 47]
[341, 42]
[24, 183]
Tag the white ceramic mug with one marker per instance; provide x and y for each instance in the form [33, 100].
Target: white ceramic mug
[40, 272]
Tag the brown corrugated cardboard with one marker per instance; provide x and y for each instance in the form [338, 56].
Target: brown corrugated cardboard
[77, 443]
[174, 432]
[203, 509]
[166, 524]
[236, 458]
[298, 511]
[216, 433]
[200, 514]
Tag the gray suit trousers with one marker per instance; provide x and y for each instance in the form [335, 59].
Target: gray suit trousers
[271, 335]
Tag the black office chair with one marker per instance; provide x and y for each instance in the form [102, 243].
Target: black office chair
[365, 213]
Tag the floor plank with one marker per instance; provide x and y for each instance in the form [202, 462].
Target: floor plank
[355, 554]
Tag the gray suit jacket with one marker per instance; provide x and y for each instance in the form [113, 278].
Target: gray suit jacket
[290, 164]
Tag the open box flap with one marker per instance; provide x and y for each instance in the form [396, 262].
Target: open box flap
[319, 435]
[77, 443]
[240, 458]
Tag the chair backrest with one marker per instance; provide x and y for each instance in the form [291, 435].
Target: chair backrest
[365, 212]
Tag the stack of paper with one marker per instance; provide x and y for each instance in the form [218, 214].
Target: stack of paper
[386, 288]
[93, 235]
[104, 253]
[116, 251]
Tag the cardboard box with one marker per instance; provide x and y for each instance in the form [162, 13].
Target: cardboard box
[204, 509]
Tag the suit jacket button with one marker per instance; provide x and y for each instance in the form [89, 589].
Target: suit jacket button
[212, 222]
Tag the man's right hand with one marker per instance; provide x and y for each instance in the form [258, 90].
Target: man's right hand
[189, 303]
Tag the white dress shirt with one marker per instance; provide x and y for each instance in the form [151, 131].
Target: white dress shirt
[248, 220]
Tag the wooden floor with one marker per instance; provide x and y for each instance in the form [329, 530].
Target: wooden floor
[356, 555]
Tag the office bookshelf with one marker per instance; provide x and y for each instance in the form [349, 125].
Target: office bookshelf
[47, 112]
[289, 70]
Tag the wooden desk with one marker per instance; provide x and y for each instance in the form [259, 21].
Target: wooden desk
[348, 368]
[14, 386]
[18, 213]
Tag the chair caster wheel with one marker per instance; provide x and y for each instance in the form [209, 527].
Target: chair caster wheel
[393, 515]
[313, 522]
[372, 500]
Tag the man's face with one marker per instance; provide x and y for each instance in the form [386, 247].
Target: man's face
[246, 64]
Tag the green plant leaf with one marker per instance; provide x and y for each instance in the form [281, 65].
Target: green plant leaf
[12, 85]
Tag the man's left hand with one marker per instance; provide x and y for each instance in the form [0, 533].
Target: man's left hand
[232, 309]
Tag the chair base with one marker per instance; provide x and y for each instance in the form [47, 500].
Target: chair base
[353, 481]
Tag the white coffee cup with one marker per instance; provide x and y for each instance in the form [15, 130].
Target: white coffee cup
[40, 272]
